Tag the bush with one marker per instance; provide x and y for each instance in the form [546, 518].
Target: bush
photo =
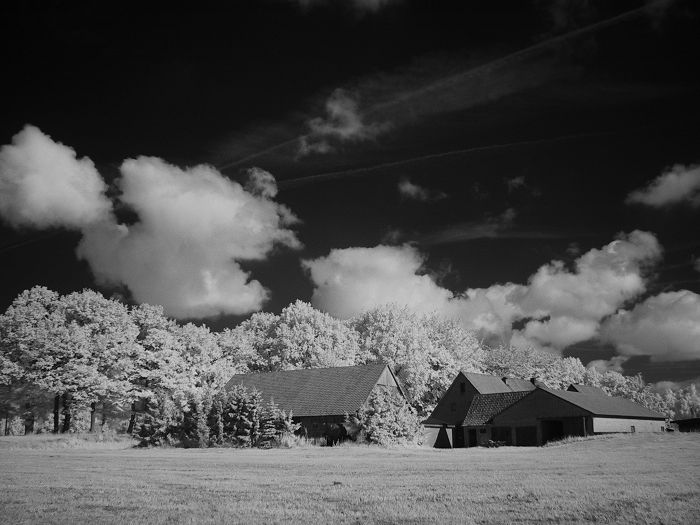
[386, 419]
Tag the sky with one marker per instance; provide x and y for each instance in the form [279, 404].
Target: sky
[530, 169]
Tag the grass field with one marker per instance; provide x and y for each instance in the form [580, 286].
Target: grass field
[623, 479]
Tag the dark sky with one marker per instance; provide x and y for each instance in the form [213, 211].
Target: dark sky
[526, 124]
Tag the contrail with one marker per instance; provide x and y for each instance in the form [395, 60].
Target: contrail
[478, 70]
[318, 177]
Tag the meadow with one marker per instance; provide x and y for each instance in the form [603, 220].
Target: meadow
[621, 479]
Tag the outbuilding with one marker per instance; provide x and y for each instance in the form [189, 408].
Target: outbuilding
[319, 398]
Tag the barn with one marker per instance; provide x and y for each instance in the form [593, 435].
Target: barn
[479, 409]
[447, 421]
[319, 398]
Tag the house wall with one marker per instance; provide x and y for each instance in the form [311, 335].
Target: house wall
[321, 426]
[610, 424]
[454, 404]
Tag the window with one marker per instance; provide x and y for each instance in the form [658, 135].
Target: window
[632, 429]
[462, 387]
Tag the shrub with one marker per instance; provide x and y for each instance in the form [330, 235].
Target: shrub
[385, 419]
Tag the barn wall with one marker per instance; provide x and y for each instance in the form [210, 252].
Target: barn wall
[539, 404]
[610, 424]
[454, 404]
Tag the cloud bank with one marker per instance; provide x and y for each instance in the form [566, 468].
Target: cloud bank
[665, 327]
[680, 184]
[557, 307]
[193, 226]
[342, 123]
[43, 184]
[411, 191]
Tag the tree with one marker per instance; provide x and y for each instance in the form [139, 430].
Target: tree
[385, 419]
[300, 337]
[425, 352]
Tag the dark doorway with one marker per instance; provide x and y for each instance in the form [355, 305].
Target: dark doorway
[472, 437]
[552, 430]
[458, 437]
[526, 436]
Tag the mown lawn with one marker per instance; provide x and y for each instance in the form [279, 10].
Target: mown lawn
[625, 479]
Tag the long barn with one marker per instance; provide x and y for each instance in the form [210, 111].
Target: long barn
[319, 398]
[478, 409]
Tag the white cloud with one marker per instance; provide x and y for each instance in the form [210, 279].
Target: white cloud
[43, 184]
[342, 123]
[559, 306]
[410, 190]
[677, 185]
[665, 327]
[194, 227]
[515, 183]
[352, 280]
[614, 364]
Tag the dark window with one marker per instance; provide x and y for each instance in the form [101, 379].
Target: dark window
[633, 429]
[482, 431]
[463, 387]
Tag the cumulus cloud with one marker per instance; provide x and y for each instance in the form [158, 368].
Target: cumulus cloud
[680, 184]
[43, 184]
[193, 227]
[556, 308]
[614, 364]
[342, 123]
[411, 191]
[665, 327]
[351, 280]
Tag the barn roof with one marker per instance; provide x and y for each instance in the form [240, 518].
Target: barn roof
[586, 389]
[486, 384]
[485, 406]
[315, 391]
[519, 385]
[605, 405]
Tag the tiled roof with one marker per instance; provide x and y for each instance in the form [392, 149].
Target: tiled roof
[605, 405]
[585, 389]
[485, 384]
[485, 406]
[316, 391]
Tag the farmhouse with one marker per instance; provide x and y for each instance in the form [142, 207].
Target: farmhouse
[477, 409]
[320, 398]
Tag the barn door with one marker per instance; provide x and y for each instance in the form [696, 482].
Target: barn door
[472, 437]
[458, 437]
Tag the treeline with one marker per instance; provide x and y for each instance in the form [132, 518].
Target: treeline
[82, 361]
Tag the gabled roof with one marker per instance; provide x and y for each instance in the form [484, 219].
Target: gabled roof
[317, 391]
[486, 406]
[486, 384]
[519, 385]
[605, 405]
[585, 389]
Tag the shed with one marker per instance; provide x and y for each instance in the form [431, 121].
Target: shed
[319, 398]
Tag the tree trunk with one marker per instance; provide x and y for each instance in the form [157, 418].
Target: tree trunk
[7, 423]
[93, 413]
[66, 414]
[56, 411]
[132, 420]
[104, 417]
[28, 419]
